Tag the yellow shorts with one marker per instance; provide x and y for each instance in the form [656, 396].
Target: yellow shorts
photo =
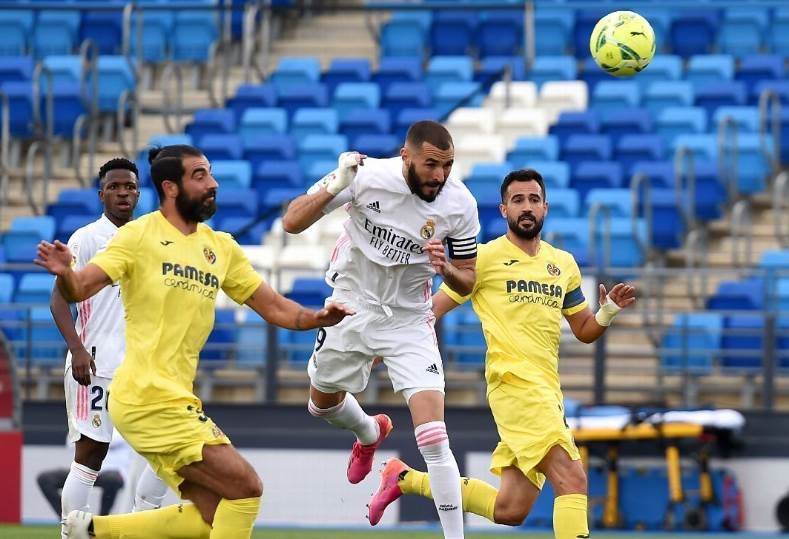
[529, 424]
[169, 435]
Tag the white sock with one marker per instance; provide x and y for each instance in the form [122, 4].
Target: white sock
[349, 415]
[76, 489]
[150, 491]
[442, 469]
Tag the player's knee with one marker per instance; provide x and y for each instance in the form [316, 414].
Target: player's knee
[510, 515]
[250, 487]
[576, 481]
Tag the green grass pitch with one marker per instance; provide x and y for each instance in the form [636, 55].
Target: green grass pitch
[49, 532]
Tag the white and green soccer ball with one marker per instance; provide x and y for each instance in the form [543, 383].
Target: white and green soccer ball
[622, 43]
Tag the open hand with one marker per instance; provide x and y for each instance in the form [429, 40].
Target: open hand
[54, 257]
[332, 314]
[82, 364]
[622, 295]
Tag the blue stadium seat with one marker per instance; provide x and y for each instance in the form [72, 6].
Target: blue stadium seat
[742, 343]
[746, 118]
[555, 174]
[660, 20]
[564, 203]
[157, 27]
[628, 244]
[86, 206]
[674, 121]
[104, 28]
[660, 173]
[16, 68]
[626, 121]
[555, 26]
[273, 147]
[618, 201]
[295, 70]
[547, 68]
[67, 107]
[235, 203]
[20, 101]
[402, 38]
[491, 69]
[15, 26]
[275, 174]
[452, 32]
[260, 122]
[592, 74]
[147, 202]
[346, 70]
[252, 96]
[720, 94]
[589, 175]
[500, 33]
[209, 121]
[742, 30]
[115, 77]
[448, 69]
[492, 173]
[246, 230]
[575, 123]
[631, 149]
[21, 240]
[194, 32]
[571, 234]
[691, 343]
[778, 87]
[232, 174]
[408, 115]
[304, 95]
[6, 288]
[711, 194]
[451, 95]
[310, 292]
[316, 148]
[407, 95]
[365, 121]
[709, 69]
[64, 68]
[662, 95]
[277, 197]
[34, 288]
[227, 146]
[703, 146]
[693, 32]
[585, 20]
[356, 95]
[663, 67]
[752, 166]
[668, 226]
[781, 302]
[318, 169]
[55, 32]
[377, 145]
[614, 95]
[758, 67]
[586, 148]
[738, 295]
[534, 148]
[251, 339]
[644, 499]
[314, 121]
[778, 35]
[396, 69]
[48, 347]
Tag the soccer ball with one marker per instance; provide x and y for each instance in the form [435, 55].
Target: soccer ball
[622, 43]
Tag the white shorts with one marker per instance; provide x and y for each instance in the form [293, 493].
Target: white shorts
[343, 354]
[86, 408]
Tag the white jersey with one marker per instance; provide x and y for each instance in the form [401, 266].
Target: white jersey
[100, 319]
[380, 258]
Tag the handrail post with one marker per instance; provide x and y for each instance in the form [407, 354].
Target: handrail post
[606, 258]
[741, 231]
[265, 39]
[5, 141]
[89, 53]
[767, 99]
[248, 41]
[635, 197]
[728, 171]
[687, 211]
[172, 70]
[529, 37]
[781, 208]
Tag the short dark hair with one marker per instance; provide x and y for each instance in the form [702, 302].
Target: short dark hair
[522, 175]
[119, 163]
[431, 132]
[166, 164]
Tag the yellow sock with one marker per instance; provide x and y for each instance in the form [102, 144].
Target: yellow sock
[182, 521]
[234, 519]
[569, 517]
[478, 497]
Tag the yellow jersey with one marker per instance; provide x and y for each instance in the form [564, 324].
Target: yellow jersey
[520, 300]
[169, 282]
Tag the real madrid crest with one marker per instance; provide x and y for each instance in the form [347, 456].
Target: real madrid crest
[96, 421]
[553, 270]
[209, 255]
[429, 230]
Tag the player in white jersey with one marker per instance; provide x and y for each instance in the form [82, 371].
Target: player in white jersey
[96, 346]
[401, 211]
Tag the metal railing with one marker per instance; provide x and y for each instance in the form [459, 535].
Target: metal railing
[741, 234]
[780, 201]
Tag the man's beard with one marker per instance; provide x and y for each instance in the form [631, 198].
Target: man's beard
[415, 184]
[195, 209]
[525, 234]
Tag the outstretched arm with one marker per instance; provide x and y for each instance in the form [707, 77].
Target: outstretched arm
[459, 274]
[81, 361]
[74, 286]
[588, 326]
[307, 209]
[280, 311]
[442, 304]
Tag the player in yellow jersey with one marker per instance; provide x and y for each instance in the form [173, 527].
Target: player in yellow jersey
[523, 288]
[170, 267]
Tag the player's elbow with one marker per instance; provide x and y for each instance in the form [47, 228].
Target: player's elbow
[291, 225]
